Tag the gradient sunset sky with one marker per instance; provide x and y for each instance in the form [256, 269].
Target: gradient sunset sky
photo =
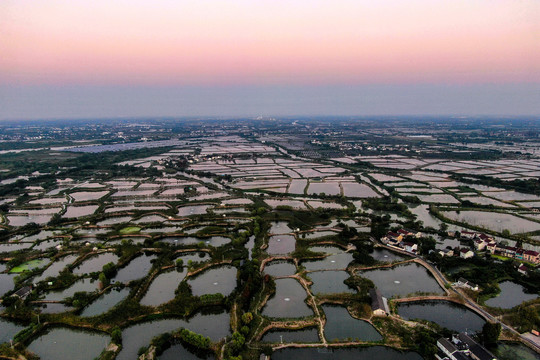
[268, 57]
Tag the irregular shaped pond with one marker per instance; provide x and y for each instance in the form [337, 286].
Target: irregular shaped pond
[281, 244]
[512, 351]
[54, 269]
[384, 255]
[288, 302]
[105, 302]
[192, 210]
[136, 269]
[217, 280]
[95, 263]
[277, 268]
[403, 280]
[338, 259]
[177, 351]
[133, 337]
[61, 343]
[446, 314]
[365, 353]
[340, 325]
[280, 227]
[301, 336]
[511, 295]
[87, 285]
[329, 282]
[8, 330]
[163, 287]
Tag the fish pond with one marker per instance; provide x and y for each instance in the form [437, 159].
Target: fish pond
[363, 353]
[215, 326]
[444, 313]
[163, 287]
[105, 302]
[216, 280]
[288, 301]
[511, 295]
[403, 280]
[329, 282]
[340, 325]
[68, 344]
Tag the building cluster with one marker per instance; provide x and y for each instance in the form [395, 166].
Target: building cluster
[398, 239]
[488, 243]
[462, 347]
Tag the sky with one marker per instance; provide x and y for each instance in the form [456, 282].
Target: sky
[73, 58]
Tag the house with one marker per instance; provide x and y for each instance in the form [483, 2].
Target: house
[491, 247]
[531, 256]
[466, 253]
[449, 351]
[23, 292]
[477, 351]
[462, 347]
[410, 247]
[479, 244]
[464, 283]
[486, 238]
[394, 236]
[468, 234]
[446, 252]
[522, 269]
[379, 304]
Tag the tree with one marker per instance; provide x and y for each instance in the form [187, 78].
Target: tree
[116, 335]
[490, 333]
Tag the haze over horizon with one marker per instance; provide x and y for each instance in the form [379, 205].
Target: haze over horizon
[63, 59]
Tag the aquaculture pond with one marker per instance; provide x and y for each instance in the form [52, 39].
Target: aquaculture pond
[95, 263]
[135, 269]
[301, 336]
[494, 221]
[69, 344]
[215, 326]
[288, 301]
[48, 244]
[114, 220]
[192, 210]
[8, 330]
[87, 285]
[280, 227]
[512, 351]
[80, 211]
[444, 313]
[177, 351]
[340, 325]
[215, 280]
[250, 245]
[363, 353]
[198, 256]
[29, 266]
[281, 244]
[105, 302]
[511, 295]
[336, 259]
[403, 280]
[56, 267]
[329, 282]
[53, 308]
[163, 287]
[9, 247]
[384, 255]
[279, 268]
